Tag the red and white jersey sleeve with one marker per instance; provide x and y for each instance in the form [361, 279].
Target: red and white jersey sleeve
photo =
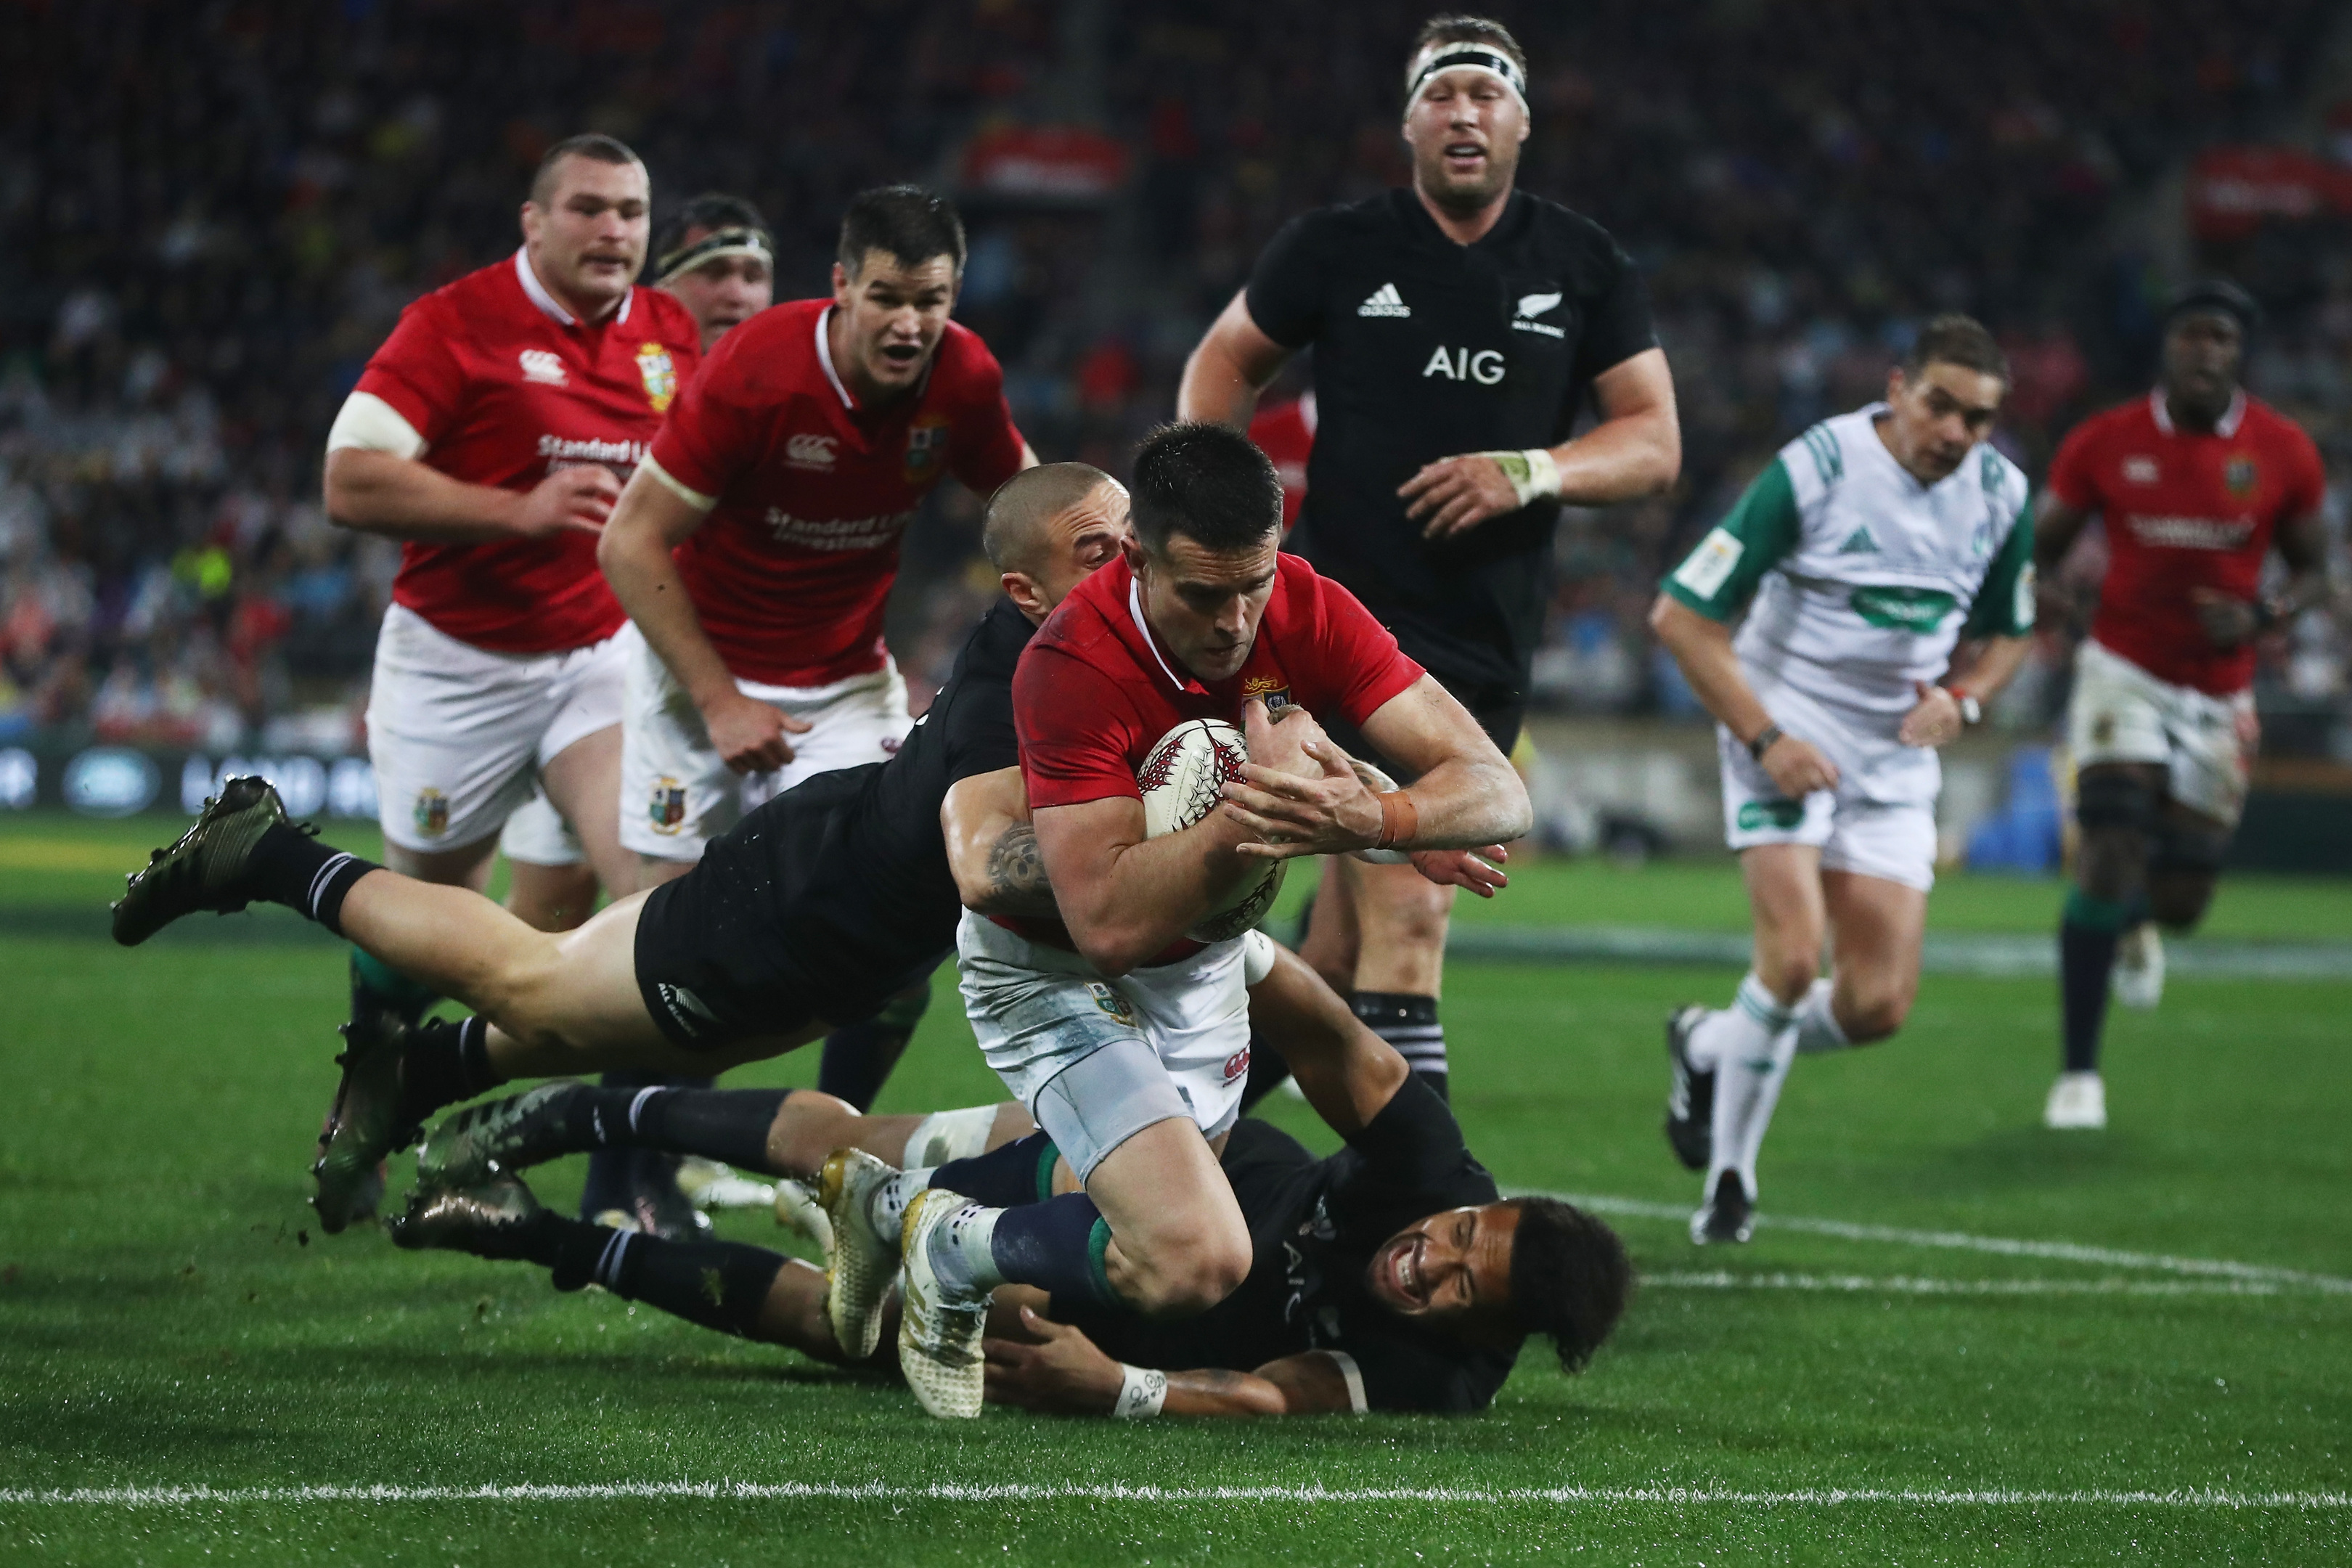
[2184, 510]
[1285, 432]
[504, 387]
[1096, 690]
[809, 493]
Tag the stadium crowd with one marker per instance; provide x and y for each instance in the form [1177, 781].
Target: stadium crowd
[197, 261]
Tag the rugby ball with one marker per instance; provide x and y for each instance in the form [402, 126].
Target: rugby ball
[1179, 780]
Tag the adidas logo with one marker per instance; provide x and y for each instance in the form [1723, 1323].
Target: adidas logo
[1385, 302]
[1859, 542]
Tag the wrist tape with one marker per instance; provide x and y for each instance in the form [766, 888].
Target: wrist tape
[1142, 1390]
[1399, 818]
[1534, 473]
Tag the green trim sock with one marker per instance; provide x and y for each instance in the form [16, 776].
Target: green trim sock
[377, 987]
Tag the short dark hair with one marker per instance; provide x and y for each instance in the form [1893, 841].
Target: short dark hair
[2215, 297]
[1956, 339]
[593, 145]
[1208, 482]
[710, 210]
[1455, 29]
[1008, 529]
[907, 221]
[1570, 1278]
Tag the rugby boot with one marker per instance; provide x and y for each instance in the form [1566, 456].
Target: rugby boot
[506, 1135]
[1690, 1093]
[940, 1328]
[486, 1218]
[1728, 1217]
[364, 1125]
[2078, 1102]
[649, 1202]
[798, 1211]
[859, 1264]
[205, 868]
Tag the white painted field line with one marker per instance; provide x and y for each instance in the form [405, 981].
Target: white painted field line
[2007, 1247]
[1914, 1285]
[949, 1491]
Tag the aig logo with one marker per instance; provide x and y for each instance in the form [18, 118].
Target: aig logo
[810, 451]
[1484, 367]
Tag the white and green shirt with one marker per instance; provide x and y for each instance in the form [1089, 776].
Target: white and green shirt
[1862, 579]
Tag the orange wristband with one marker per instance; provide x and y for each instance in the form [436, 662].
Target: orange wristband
[1399, 818]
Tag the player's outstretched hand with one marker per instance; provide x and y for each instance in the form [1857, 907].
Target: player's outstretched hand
[1291, 814]
[579, 498]
[1064, 1372]
[1797, 769]
[1454, 495]
[1480, 870]
[2228, 621]
[748, 734]
[1934, 720]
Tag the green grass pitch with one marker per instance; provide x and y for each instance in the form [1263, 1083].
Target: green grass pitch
[170, 1318]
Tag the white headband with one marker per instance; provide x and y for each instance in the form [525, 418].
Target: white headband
[1473, 56]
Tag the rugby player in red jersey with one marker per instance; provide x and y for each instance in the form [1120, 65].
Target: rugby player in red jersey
[1285, 432]
[491, 434]
[1129, 1041]
[2195, 484]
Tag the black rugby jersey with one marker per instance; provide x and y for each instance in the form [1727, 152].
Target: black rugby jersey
[1314, 1228]
[1426, 349]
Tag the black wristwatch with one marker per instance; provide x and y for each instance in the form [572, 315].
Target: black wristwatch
[1763, 741]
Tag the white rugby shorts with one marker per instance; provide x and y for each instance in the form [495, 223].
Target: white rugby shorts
[676, 795]
[1038, 1011]
[457, 734]
[2121, 713]
[1879, 822]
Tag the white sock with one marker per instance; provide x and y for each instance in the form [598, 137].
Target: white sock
[1817, 1024]
[963, 1252]
[945, 1135]
[887, 1207]
[1752, 1042]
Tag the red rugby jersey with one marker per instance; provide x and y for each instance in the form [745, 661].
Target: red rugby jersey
[791, 570]
[1285, 432]
[506, 387]
[2183, 510]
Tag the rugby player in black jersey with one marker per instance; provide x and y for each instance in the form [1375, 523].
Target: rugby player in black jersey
[1458, 327]
[1389, 1276]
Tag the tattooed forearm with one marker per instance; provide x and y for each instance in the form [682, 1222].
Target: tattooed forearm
[1016, 874]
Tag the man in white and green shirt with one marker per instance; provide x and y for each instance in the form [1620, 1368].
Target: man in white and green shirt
[1864, 555]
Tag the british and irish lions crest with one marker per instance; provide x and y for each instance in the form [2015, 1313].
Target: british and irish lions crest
[927, 449]
[1180, 781]
[666, 805]
[659, 374]
[431, 813]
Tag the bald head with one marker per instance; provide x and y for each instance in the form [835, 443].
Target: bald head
[1048, 526]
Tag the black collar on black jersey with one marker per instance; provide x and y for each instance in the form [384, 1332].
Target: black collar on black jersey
[1519, 211]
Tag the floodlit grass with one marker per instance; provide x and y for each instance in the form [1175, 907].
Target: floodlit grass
[169, 1316]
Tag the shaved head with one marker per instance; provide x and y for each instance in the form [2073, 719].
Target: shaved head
[1014, 532]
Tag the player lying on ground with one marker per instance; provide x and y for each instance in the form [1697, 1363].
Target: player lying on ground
[1388, 1276]
[812, 912]
[1119, 1018]
[2196, 484]
[1871, 547]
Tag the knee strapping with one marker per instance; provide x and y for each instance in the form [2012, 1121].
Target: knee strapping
[2108, 799]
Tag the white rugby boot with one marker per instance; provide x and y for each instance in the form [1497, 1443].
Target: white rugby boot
[797, 1210]
[940, 1328]
[2078, 1101]
[859, 1264]
[2137, 979]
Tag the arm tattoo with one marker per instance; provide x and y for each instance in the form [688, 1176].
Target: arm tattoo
[1016, 874]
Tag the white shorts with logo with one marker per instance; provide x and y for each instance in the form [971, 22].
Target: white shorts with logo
[1879, 822]
[676, 795]
[458, 734]
[2121, 713]
[1039, 1012]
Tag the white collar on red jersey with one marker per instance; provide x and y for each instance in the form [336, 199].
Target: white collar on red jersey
[546, 302]
[1135, 608]
[825, 359]
[2227, 425]
[1307, 410]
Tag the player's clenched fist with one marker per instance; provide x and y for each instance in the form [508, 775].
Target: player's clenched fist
[579, 498]
[1797, 769]
[747, 734]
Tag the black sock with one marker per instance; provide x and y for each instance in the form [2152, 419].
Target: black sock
[1021, 1172]
[447, 1061]
[2087, 935]
[1057, 1245]
[720, 1285]
[289, 867]
[858, 1061]
[621, 1164]
[1409, 1022]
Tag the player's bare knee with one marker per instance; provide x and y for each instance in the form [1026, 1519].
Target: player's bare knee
[1789, 971]
[1873, 1016]
[1182, 1278]
[2179, 902]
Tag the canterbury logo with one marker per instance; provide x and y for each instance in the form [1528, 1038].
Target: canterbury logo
[810, 451]
[539, 365]
[1385, 302]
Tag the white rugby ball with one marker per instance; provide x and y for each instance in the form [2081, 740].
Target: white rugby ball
[1181, 780]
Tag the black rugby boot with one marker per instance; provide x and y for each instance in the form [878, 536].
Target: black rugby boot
[206, 868]
[1690, 1093]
